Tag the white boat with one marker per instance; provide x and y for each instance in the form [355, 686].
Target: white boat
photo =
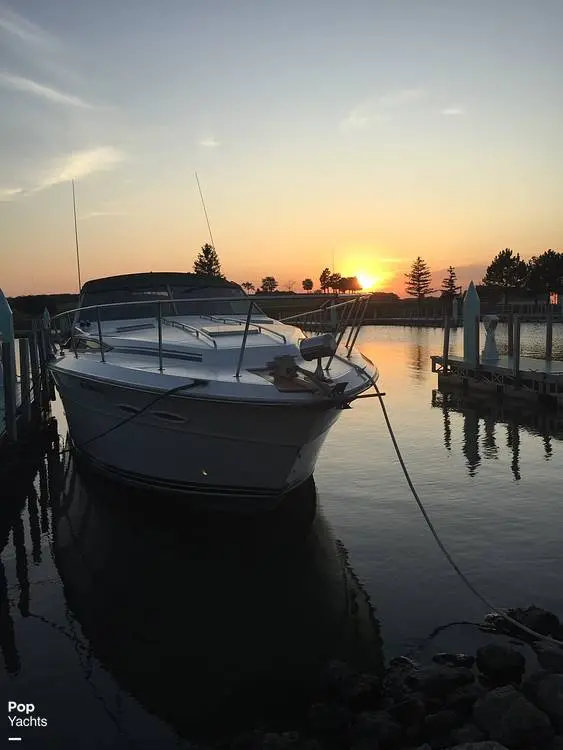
[179, 382]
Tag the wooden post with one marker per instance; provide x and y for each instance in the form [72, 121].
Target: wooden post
[25, 381]
[10, 405]
[516, 361]
[446, 350]
[35, 373]
[477, 332]
[549, 333]
[510, 325]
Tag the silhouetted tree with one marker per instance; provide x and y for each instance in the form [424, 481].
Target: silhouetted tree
[506, 270]
[290, 284]
[449, 284]
[248, 285]
[269, 284]
[307, 284]
[334, 281]
[418, 279]
[350, 284]
[545, 272]
[324, 278]
[207, 262]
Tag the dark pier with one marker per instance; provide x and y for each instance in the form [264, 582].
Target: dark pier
[26, 388]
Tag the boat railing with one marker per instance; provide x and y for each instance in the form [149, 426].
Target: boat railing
[336, 317]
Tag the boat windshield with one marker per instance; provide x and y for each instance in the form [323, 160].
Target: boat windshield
[167, 293]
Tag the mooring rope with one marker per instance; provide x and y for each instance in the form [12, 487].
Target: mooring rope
[449, 558]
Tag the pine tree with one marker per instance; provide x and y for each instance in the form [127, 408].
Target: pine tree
[449, 284]
[418, 279]
[207, 262]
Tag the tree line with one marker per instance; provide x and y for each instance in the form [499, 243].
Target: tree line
[207, 264]
[542, 274]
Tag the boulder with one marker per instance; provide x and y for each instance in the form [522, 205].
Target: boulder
[441, 723]
[438, 681]
[501, 664]
[486, 745]
[410, 711]
[467, 733]
[379, 727]
[357, 691]
[506, 716]
[454, 660]
[537, 619]
[463, 698]
[329, 718]
[550, 657]
[549, 698]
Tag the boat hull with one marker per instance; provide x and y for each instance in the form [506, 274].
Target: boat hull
[225, 452]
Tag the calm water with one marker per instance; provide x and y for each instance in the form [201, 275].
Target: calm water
[128, 621]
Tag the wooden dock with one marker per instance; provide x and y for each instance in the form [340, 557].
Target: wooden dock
[486, 372]
[26, 389]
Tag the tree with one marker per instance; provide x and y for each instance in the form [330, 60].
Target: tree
[449, 284]
[269, 284]
[334, 281]
[507, 271]
[290, 284]
[545, 272]
[248, 285]
[207, 262]
[350, 284]
[418, 279]
[323, 278]
[307, 284]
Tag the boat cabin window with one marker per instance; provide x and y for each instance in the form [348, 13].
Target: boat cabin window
[155, 292]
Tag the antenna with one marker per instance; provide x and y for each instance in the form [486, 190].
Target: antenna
[76, 237]
[205, 211]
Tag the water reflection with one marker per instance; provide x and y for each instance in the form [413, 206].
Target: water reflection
[489, 416]
[419, 353]
[205, 620]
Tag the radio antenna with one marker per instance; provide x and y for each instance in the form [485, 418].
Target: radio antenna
[76, 237]
[205, 211]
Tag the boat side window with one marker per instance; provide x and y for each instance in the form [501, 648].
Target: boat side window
[125, 312]
[210, 307]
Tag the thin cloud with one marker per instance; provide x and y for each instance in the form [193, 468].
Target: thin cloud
[380, 109]
[81, 164]
[23, 30]
[98, 214]
[8, 194]
[18, 83]
[452, 111]
[210, 142]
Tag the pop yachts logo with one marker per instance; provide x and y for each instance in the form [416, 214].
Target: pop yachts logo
[20, 715]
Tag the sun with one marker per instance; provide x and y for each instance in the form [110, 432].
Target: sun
[365, 280]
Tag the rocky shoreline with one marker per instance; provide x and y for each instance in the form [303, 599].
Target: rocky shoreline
[488, 701]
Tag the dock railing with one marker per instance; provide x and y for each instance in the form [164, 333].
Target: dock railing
[336, 318]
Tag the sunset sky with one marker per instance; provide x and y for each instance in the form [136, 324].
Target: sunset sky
[374, 130]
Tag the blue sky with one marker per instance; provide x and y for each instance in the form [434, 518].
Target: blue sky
[377, 130]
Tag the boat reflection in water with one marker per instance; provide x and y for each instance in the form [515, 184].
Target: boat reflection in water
[210, 621]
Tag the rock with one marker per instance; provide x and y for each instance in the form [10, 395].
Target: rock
[441, 723]
[410, 711]
[395, 678]
[535, 618]
[380, 726]
[329, 718]
[438, 681]
[463, 698]
[501, 664]
[507, 716]
[550, 657]
[486, 745]
[357, 691]
[454, 660]
[467, 733]
[556, 743]
[549, 698]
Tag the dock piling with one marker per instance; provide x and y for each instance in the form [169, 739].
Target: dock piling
[10, 402]
[446, 349]
[516, 358]
[25, 380]
[549, 332]
[510, 325]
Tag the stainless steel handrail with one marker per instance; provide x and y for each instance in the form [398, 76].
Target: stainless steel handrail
[190, 329]
[244, 337]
